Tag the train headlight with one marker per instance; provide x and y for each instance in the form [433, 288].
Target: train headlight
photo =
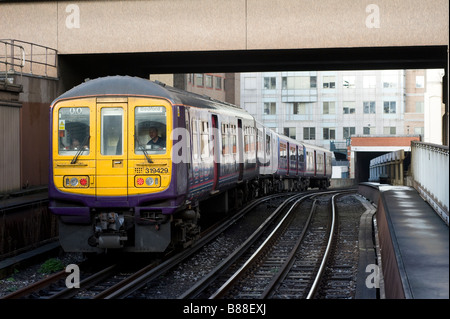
[76, 181]
[149, 181]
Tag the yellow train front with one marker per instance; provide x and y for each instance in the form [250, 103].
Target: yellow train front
[112, 182]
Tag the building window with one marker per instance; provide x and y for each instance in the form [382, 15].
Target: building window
[369, 107]
[270, 108]
[218, 83]
[209, 81]
[389, 130]
[329, 108]
[290, 132]
[418, 130]
[309, 133]
[270, 83]
[370, 82]
[420, 81]
[349, 108]
[329, 82]
[313, 82]
[199, 79]
[367, 130]
[389, 107]
[298, 82]
[348, 82]
[299, 108]
[389, 81]
[419, 107]
[329, 133]
[348, 131]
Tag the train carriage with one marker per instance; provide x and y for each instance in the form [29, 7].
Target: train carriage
[133, 163]
[119, 186]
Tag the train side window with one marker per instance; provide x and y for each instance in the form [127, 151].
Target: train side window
[283, 152]
[195, 152]
[111, 131]
[73, 130]
[225, 144]
[233, 138]
[246, 139]
[205, 139]
[268, 144]
[259, 142]
[301, 157]
[292, 154]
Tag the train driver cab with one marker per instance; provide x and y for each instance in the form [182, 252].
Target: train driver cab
[73, 130]
[150, 127]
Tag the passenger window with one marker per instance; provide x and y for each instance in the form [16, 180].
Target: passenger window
[195, 140]
[204, 139]
[73, 130]
[268, 144]
[150, 129]
[111, 131]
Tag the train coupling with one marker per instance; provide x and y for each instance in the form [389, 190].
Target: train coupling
[109, 231]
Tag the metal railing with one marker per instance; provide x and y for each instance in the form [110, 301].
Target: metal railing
[430, 168]
[27, 57]
[9, 60]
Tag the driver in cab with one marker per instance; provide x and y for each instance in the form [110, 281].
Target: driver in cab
[155, 141]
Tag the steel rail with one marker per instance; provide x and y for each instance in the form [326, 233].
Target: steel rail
[315, 284]
[219, 293]
[287, 265]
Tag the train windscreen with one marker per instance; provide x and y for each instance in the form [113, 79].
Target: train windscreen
[150, 129]
[73, 130]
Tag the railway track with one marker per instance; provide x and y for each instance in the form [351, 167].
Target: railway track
[112, 280]
[276, 242]
[289, 263]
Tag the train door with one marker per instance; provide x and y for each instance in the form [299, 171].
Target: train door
[216, 150]
[240, 157]
[111, 168]
[295, 156]
[293, 168]
[315, 163]
[288, 159]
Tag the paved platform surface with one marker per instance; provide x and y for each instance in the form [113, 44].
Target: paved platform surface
[421, 240]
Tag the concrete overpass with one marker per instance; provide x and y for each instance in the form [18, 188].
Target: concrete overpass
[86, 27]
[236, 35]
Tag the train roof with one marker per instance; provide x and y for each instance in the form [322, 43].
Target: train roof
[134, 86]
[116, 85]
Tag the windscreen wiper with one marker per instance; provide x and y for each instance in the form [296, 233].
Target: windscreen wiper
[142, 148]
[85, 141]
